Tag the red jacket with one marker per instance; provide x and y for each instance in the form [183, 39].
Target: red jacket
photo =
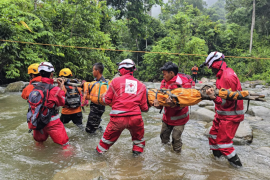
[127, 95]
[26, 91]
[174, 116]
[225, 109]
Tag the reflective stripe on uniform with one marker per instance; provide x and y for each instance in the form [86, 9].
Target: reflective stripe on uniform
[103, 99]
[101, 148]
[231, 155]
[179, 117]
[138, 141]
[230, 113]
[117, 112]
[106, 141]
[139, 145]
[55, 117]
[221, 146]
[212, 136]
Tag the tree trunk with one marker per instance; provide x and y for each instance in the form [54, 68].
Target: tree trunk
[252, 27]
[35, 4]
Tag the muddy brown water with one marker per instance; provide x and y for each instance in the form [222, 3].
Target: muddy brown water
[22, 158]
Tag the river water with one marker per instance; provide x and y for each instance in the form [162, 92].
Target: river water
[22, 158]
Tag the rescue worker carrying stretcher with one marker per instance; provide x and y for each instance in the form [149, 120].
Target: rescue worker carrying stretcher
[34, 79]
[128, 98]
[174, 117]
[96, 110]
[42, 116]
[72, 109]
[229, 113]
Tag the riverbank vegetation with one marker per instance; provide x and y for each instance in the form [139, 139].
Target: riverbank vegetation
[184, 26]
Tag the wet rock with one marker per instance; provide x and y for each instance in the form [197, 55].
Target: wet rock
[264, 151]
[245, 85]
[157, 85]
[204, 80]
[2, 90]
[206, 103]
[212, 80]
[254, 118]
[202, 114]
[16, 86]
[254, 83]
[149, 84]
[243, 135]
[211, 108]
[265, 92]
[259, 111]
[259, 86]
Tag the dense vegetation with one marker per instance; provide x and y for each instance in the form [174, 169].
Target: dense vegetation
[184, 26]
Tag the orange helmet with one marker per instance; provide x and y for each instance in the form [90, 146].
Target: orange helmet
[65, 72]
[33, 69]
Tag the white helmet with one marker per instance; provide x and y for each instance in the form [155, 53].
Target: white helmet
[127, 63]
[213, 56]
[45, 66]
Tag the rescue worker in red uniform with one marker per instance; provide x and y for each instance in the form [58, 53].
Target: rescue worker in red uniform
[55, 128]
[128, 98]
[229, 113]
[72, 109]
[174, 118]
[34, 78]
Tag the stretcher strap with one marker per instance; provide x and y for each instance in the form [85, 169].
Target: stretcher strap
[100, 84]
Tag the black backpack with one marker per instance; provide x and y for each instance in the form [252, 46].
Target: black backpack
[73, 98]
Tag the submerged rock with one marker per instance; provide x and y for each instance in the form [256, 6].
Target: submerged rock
[243, 135]
[16, 86]
[2, 90]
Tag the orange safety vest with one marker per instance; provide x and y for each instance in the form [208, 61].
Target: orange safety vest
[194, 70]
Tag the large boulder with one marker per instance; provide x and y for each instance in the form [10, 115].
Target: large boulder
[205, 103]
[243, 135]
[149, 84]
[204, 80]
[2, 90]
[211, 108]
[202, 114]
[157, 85]
[16, 86]
[260, 111]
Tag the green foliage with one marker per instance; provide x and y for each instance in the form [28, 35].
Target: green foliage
[184, 27]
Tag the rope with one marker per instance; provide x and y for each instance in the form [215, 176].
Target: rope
[123, 50]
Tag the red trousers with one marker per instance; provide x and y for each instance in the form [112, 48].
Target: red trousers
[115, 127]
[55, 129]
[221, 135]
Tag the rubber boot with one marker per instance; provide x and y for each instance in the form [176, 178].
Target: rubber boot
[217, 153]
[235, 161]
[136, 153]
